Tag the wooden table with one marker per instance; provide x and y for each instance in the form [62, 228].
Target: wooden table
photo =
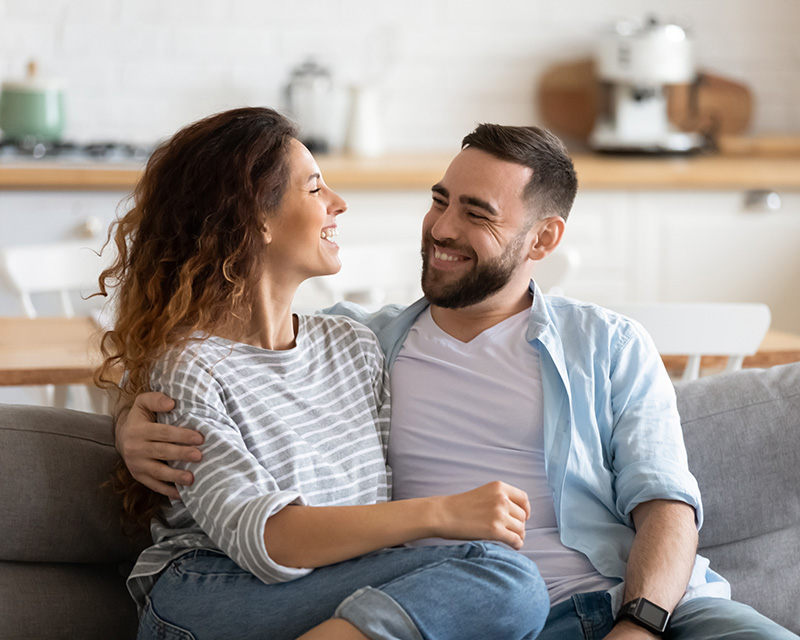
[66, 351]
[48, 351]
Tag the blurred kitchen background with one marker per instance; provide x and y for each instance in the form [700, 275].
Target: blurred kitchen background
[138, 69]
[385, 91]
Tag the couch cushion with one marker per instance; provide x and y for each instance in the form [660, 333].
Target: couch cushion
[64, 601]
[742, 433]
[52, 465]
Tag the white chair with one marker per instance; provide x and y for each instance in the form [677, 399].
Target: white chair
[734, 330]
[371, 275]
[57, 269]
[554, 273]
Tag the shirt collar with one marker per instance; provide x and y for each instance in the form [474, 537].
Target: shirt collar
[540, 316]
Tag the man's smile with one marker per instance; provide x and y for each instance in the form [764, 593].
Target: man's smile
[448, 255]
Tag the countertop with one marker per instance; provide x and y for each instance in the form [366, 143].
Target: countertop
[740, 163]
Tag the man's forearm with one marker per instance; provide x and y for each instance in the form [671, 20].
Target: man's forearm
[663, 552]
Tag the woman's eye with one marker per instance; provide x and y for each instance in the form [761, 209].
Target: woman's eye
[317, 190]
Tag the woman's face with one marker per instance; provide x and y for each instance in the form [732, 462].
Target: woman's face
[302, 234]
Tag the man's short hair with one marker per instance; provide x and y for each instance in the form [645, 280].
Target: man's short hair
[552, 188]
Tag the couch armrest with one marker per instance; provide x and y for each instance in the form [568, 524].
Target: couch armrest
[52, 465]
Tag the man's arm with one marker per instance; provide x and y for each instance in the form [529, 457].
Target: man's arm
[661, 559]
[144, 445]
[653, 482]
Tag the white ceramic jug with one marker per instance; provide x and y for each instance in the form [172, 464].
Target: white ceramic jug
[364, 131]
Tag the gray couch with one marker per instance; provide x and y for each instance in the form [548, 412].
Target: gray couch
[63, 556]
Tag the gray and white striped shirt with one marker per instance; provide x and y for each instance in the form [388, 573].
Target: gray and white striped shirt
[308, 425]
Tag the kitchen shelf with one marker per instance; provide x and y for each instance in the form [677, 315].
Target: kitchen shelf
[742, 163]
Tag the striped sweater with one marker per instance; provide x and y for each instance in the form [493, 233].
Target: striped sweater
[308, 425]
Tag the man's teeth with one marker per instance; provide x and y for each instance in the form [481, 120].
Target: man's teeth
[444, 256]
[329, 233]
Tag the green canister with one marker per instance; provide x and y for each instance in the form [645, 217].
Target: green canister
[32, 108]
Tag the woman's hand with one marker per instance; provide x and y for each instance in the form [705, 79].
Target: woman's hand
[144, 445]
[496, 511]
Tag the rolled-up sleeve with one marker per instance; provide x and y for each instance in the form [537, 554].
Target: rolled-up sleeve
[648, 453]
[233, 495]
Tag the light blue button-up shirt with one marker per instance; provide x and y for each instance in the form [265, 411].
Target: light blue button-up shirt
[612, 433]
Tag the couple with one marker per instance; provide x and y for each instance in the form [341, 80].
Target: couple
[566, 403]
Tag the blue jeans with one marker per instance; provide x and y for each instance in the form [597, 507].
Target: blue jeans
[587, 616]
[472, 590]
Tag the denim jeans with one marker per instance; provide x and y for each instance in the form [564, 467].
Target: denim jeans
[472, 590]
[587, 616]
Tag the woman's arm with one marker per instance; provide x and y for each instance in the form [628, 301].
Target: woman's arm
[300, 536]
[237, 500]
[233, 493]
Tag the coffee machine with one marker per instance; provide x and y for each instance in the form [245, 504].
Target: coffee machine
[636, 63]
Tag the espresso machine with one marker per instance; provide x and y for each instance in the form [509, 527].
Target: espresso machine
[636, 64]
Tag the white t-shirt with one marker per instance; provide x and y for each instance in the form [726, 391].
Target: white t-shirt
[465, 414]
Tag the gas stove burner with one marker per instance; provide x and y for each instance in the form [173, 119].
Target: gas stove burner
[117, 150]
[34, 148]
[30, 148]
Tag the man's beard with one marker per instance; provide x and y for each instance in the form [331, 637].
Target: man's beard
[479, 283]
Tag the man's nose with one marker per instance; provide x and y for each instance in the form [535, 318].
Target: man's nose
[445, 225]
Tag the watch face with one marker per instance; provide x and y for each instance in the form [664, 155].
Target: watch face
[651, 614]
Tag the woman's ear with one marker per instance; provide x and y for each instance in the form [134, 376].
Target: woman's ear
[267, 234]
[547, 236]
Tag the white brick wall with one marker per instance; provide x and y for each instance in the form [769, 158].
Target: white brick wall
[138, 69]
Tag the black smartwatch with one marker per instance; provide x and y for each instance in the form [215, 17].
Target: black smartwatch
[646, 614]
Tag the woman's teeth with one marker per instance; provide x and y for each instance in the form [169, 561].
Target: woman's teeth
[329, 233]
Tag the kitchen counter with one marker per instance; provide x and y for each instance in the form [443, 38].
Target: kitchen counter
[741, 163]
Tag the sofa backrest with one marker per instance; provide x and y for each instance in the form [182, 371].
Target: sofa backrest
[742, 434]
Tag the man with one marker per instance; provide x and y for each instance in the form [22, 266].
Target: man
[565, 400]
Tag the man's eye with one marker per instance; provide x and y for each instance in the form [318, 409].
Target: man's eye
[439, 202]
[476, 216]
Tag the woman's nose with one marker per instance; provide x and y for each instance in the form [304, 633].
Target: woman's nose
[338, 205]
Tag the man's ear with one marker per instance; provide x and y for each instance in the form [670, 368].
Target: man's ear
[547, 236]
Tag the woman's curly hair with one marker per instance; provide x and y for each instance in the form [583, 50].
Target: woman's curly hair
[190, 252]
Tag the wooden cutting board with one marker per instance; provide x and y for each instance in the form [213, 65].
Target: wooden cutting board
[569, 97]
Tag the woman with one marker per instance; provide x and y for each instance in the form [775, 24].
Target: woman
[286, 530]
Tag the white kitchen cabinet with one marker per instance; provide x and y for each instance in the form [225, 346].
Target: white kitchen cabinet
[635, 246]
[602, 227]
[714, 246]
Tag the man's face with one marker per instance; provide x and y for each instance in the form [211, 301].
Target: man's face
[475, 236]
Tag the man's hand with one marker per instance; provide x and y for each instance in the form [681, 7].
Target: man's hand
[145, 444]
